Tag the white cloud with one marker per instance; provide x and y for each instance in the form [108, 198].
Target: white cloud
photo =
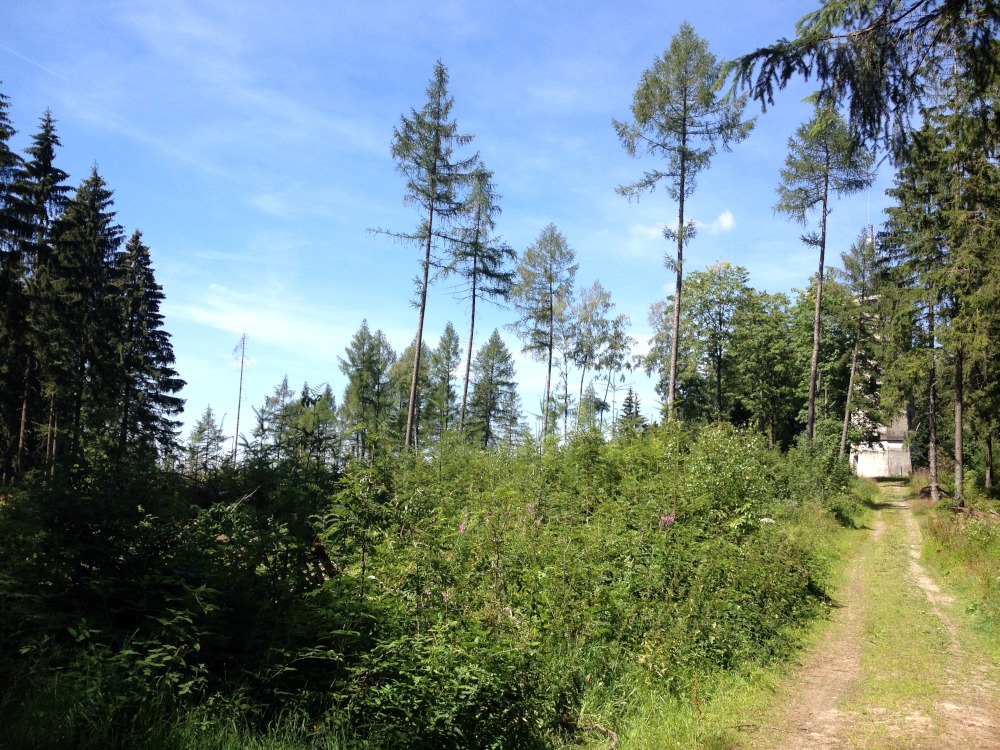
[724, 222]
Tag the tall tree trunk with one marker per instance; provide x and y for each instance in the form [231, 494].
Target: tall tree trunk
[676, 333]
[959, 429]
[411, 408]
[850, 392]
[468, 355]
[814, 367]
[550, 353]
[22, 434]
[988, 461]
[932, 446]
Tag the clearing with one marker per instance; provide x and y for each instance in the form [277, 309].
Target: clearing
[898, 666]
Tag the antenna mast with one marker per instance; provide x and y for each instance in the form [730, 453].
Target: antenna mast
[242, 348]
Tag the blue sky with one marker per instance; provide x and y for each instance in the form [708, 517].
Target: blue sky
[250, 142]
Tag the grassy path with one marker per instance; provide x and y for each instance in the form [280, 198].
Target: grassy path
[897, 668]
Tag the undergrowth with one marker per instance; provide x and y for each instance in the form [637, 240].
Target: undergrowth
[446, 598]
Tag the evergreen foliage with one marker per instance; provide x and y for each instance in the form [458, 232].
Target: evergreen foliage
[541, 297]
[823, 161]
[679, 117]
[877, 57]
[368, 400]
[423, 148]
[494, 416]
[327, 587]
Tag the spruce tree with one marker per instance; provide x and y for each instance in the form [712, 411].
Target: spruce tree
[148, 384]
[368, 401]
[494, 415]
[13, 299]
[443, 408]
[39, 197]
[83, 321]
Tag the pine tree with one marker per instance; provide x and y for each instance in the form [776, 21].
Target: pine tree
[823, 161]
[541, 296]
[679, 117]
[422, 147]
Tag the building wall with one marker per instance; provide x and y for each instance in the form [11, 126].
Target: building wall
[888, 458]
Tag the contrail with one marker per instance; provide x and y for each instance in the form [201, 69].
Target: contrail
[52, 72]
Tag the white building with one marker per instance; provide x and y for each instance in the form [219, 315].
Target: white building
[889, 457]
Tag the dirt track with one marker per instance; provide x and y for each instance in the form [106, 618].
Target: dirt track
[895, 669]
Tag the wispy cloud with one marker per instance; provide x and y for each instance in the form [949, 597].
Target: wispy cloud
[33, 62]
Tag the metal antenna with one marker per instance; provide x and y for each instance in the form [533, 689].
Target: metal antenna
[242, 348]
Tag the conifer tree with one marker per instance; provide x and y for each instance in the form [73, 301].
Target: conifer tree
[823, 161]
[877, 57]
[368, 399]
[494, 415]
[541, 296]
[596, 339]
[423, 148]
[149, 384]
[82, 320]
[13, 300]
[39, 198]
[916, 247]
[399, 381]
[481, 258]
[679, 117]
[443, 400]
[204, 446]
[859, 274]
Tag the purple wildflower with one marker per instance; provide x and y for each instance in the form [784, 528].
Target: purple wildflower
[666, 521]
[462, 528]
